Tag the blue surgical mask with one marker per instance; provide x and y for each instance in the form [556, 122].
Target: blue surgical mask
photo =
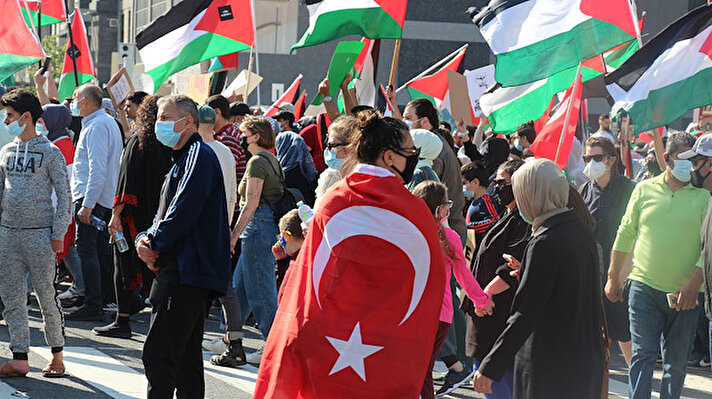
[166, 134]
[331, 160]
[74, 108]
[517, 145]
[40, 129]
[682, 170]
[15, 129]
[524, 217]
[469, 194]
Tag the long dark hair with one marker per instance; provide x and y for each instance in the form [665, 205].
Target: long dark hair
[375, 135]
[146, 116]
[435, 194]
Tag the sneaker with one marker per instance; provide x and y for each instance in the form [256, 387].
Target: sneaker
[113, 330]
[234, 356]
[68, 294]
[85, 314]
[699, 363]
[111, 307]
[453, 380]
[217, 345]
[439, 375]
[73, 303]
[254, 357]
[705, 363]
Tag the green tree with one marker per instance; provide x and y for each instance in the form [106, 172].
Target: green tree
[53, 49]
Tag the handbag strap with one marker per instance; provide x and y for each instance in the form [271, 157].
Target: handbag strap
[279, 175]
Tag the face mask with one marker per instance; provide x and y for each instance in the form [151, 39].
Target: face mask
[524, 217]
[594, 170]
[505, 194]
[243, 142]
[165, 133]
[443, 220]
[681, 170]
[41, 129]
[74, 108]
[15, 129]
[331, 160]
[409, 123]
[411, 161]
[517, 145]
[469, 194]
[697, 179]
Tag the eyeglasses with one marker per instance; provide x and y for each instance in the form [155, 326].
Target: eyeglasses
[330, 146]
[597, 158]
[408, 151]
[447, 205]
[501, 182]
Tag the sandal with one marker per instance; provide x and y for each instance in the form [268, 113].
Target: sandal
[54, 370]
[7, 370]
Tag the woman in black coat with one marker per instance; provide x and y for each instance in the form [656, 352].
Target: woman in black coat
[555, 320]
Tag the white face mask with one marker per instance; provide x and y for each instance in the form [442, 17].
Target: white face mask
[594, 169]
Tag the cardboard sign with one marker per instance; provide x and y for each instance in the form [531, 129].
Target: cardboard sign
[199, 87]
[470, 247]
[459, 97]
[119, 87]
[237, 86]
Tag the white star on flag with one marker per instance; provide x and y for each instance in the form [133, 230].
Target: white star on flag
[352, 353]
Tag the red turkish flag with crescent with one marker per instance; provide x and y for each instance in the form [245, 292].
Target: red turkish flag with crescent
[360, 307]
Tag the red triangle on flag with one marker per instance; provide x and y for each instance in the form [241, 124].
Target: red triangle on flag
[436, 85]
[231, 19]
[300, 106]
[80, 51]
[615, 12]
[549, 143]
[394, 8]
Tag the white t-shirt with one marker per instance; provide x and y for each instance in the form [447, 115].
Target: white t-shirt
[227, 164]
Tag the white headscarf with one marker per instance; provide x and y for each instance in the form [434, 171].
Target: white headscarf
[430, 146]
[541, 190]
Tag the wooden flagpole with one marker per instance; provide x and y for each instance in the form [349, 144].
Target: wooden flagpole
[568, 114]
[394, 64]
[249, 72]
[634, 15]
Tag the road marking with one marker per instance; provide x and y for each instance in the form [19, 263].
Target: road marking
[6, 390]
[243, 378]
[101, 371]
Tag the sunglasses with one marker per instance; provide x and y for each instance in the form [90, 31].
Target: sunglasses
[408, 151]
[447, 205]
[501, 182]
[330, 146]
[597, 158]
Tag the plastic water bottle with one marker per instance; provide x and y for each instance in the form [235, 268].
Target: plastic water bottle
[120, 241]
[97, 223]
[305, 213]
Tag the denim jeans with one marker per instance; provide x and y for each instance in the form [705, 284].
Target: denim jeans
[254, 278]
[74, 265]
[95, 254]
[502, 389]
[654, 325]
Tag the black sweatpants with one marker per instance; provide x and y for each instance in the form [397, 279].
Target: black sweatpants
[172, 355]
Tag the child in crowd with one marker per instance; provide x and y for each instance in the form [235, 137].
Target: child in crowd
[290, 240]
[482, 213]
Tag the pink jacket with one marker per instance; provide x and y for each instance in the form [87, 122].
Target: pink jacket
[458, 266]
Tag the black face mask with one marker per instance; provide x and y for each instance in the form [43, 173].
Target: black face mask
[505, 194]
[411, 161]
[243, 143]
[697, 180]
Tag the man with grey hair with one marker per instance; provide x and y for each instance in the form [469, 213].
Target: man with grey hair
[188, 246]
[95, 174]
[662, 221]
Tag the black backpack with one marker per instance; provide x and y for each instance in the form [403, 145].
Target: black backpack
[289, 198]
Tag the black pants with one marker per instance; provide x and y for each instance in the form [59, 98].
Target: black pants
[172, 355]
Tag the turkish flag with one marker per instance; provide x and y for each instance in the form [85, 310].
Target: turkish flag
[361, 305]
[548, 143]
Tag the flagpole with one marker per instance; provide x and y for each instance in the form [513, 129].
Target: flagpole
[425, 72]
[568, 114]
[249, 72]
[71, 43]
[634, 15]
[257, 56]
[394, 64]
[39, 23]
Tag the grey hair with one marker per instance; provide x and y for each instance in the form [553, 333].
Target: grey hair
[676, 140]
[186, 106]
[92, 93]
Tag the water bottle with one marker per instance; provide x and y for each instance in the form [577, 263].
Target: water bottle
[97, 223]
[305, 213]
[120, 242]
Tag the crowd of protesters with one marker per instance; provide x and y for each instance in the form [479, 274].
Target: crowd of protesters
[174, 205]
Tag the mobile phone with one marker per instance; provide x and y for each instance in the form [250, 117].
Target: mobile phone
[45, 65]
[508, 257]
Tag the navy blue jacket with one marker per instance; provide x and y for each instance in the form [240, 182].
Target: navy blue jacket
[191, 226]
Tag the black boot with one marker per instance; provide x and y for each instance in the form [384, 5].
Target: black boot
[233, 356]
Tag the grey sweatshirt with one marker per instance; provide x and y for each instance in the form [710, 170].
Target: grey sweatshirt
[28, 173]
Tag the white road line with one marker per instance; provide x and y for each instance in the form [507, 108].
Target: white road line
[6, 390]
[101, 371]
[242, 378]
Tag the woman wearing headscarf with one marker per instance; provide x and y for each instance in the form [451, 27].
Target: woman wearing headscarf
[297, 164]
[144, 165]
[430, 146]
[555, 318]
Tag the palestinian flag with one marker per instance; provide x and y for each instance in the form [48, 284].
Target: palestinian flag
[224, 63]
[383, 103]
[290, 96]
[435, 87]
[669, 75]
[18, 45]
[300, 106]
[364, 72]
[332, 19]
[194, 31]
[509, 107]
[52, 11]
[81, 55]
[535, 39]
[549, 143]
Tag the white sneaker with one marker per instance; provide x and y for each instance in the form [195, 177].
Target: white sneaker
[68, 294]
[216, 345]
[254, 357]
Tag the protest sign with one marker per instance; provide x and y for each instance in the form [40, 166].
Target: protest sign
[119, 87]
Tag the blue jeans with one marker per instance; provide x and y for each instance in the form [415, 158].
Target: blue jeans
[502, 389]
[254, 278]
[74, 264]
[95, 253]
[650, 320]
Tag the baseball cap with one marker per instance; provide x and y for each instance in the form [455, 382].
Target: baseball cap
[285, 106]
[206, 114]
[703, 147]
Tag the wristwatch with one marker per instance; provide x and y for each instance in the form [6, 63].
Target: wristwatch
[328, 99]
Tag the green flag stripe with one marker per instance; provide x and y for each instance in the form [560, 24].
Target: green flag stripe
[46, 19]
[67, 84]
[10, 63]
